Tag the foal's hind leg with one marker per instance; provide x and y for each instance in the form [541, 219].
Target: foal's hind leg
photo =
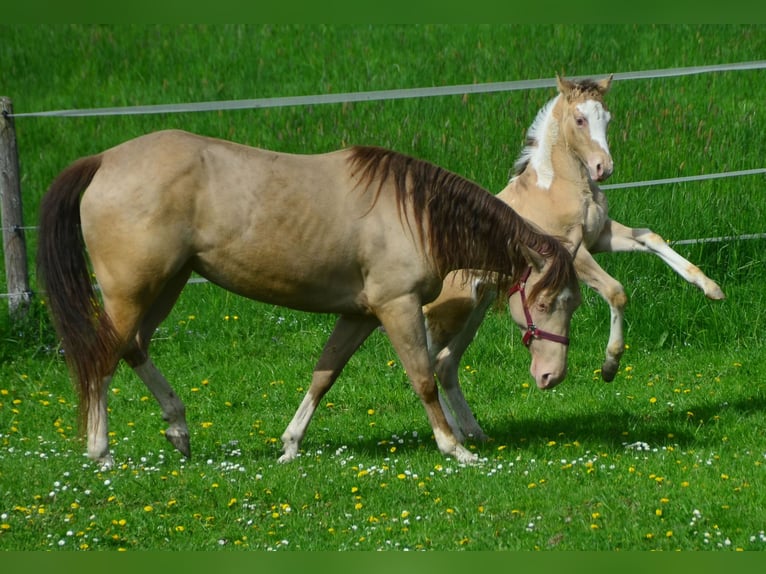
[349, 333]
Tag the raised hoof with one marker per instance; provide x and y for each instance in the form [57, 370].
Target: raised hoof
[609, 371]
[180, 442]
[715, 293]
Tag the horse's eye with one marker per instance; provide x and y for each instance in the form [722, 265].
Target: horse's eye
[580, 121]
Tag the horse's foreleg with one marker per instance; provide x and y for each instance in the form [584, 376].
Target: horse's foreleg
[404, 324]
[349, 333]
[591, 273]
[617, 238]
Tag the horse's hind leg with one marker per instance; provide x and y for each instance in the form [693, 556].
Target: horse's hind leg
[349, 333]
[173, 409]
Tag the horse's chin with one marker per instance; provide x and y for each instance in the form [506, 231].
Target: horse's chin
[546, 378]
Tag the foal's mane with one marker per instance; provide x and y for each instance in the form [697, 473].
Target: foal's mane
[464, 225]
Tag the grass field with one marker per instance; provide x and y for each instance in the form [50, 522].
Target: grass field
[668, 456]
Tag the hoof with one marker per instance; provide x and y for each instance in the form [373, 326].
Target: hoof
[465, 456]
[180, 442]
[715, 293]
[609, 370]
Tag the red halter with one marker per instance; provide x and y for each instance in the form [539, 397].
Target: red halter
[532, 331]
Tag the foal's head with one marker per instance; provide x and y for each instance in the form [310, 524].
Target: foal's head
[583, 120]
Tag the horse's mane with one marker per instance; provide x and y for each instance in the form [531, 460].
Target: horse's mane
[468, 227]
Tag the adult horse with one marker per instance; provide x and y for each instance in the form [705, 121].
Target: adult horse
[555, 185]
[365, 233]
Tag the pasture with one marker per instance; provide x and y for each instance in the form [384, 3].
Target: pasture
[670, 455]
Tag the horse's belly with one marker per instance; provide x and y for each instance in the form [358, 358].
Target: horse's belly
[295, 284]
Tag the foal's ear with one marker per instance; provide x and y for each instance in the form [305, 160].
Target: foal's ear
[533, 258]
[564, 86]
[605, 84]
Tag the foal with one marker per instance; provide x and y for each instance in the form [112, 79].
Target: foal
[555, 186]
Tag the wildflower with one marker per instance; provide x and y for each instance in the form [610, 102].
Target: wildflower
[148, 508]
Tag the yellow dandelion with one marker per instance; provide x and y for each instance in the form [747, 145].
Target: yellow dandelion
[148, 508]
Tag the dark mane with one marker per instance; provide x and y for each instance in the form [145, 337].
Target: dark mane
[464, 225]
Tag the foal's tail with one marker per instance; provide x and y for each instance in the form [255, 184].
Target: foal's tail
[88, 337]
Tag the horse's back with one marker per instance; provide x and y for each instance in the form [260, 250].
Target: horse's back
[284, 228]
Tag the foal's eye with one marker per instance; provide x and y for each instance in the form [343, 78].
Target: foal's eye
[580, 121]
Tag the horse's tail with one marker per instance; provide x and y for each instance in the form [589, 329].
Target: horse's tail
[88, 337]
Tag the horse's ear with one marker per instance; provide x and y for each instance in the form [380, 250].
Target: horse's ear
[533, 258]
[605, 84]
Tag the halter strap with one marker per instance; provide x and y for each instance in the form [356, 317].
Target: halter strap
[532, 331]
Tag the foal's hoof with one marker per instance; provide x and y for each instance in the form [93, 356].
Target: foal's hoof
[180, 441]
[715, 293]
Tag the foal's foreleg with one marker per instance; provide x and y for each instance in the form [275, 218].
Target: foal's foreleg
[612, 291]
[447, 363]
[349, 333]
[617, 237]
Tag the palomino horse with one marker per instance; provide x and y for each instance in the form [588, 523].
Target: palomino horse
[555, 187]
[365, 233]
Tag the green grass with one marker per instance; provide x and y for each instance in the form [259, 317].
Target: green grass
[668, 456]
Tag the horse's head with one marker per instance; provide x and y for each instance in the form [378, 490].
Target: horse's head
[544, 320]
[583, 124]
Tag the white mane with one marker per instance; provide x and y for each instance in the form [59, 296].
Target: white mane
[541, 135]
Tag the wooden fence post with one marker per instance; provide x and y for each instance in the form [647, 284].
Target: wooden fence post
[14, 242]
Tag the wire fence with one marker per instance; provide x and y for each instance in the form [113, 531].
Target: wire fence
[395, 94]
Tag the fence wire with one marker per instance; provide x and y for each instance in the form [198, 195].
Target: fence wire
[394, 94]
